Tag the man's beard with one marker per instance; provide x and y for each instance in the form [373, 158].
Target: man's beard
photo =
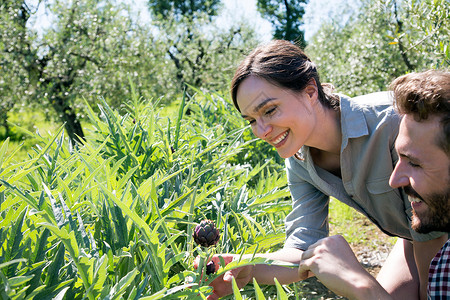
[437, 216]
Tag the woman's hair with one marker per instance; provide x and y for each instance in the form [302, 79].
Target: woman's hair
[423, 95]
[283, 64]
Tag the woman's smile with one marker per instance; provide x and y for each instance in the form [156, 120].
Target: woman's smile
[280, 140]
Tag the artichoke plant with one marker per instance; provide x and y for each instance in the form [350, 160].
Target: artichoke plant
[206, 234]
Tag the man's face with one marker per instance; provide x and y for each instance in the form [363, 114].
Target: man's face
[423, 172]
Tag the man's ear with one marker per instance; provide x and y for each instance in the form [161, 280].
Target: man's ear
[311, 89]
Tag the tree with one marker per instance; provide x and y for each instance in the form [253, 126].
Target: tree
[86, 39]
[183, 8]
[12, 74]
[422, 27]
[202, 54]
[204, 57]
[286, 17]
[388, 38]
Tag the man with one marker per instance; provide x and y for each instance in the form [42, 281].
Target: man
[423, 171]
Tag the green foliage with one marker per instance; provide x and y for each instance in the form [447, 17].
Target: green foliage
[200, 52]
[286, 17]
[164, 9]
[95, 48]
[113, 218]
[386, 39]
[53, 71]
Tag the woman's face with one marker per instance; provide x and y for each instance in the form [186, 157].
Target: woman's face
[281, 117]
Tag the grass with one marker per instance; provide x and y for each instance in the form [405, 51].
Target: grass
[31, 120]
[355, 227]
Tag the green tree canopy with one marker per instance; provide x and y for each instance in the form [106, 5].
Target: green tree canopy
[183, 8]
[286, 16]
[201, 53]
[386, 39]
[57, 69]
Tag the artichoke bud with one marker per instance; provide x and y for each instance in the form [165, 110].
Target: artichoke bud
[206, 234]
[210, 268]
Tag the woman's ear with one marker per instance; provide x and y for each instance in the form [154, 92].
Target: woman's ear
[311, 89]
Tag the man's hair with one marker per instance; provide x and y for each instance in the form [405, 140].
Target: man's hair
[426, 94]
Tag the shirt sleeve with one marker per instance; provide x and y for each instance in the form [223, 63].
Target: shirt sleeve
[308, 220]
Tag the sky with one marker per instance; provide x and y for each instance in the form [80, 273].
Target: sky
[316, 11]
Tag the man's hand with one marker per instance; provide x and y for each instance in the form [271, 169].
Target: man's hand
[222, 284]
[333, 262]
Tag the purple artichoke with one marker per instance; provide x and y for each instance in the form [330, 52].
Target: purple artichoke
[206, 234]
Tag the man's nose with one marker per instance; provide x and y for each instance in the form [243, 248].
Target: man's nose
[399, 176]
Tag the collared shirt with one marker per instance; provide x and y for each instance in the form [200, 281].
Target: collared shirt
[369, 126]
[439, 274]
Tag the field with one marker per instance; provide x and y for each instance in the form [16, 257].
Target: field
[114, 217]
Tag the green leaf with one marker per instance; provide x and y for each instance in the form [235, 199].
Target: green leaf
[140, 289]
[173, 260]
[48, 292]
[13, 250]
[180, 116]
[11, 262]
[19, 280]
[236, 293]
[100, 272]
[131, 214]
[67, 238]
[120, 287]
[120, 224]
[56, 208]
[61, 294]
[24, 195]
[46, 147]
[38, 260]
[3, 149]
[258, 293]
[55, 266]
[180, 277]
[281, 295]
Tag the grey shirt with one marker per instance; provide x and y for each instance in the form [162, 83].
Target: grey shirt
[369, 127]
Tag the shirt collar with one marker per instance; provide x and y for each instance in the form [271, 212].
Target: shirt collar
[353, 122]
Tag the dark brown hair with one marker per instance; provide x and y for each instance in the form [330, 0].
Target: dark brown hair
[284, 64]
[425, 94]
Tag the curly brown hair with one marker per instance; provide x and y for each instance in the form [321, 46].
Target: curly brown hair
[425, 94]
[285, 65]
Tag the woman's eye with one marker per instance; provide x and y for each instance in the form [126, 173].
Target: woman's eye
[270, 111]
[251, 122]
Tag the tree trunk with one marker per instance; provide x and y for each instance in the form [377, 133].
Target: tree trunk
[71, 123]
[399, 25]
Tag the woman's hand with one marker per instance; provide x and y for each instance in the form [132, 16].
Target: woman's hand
[222, 284]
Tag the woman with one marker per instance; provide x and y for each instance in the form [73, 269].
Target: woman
[334, 146]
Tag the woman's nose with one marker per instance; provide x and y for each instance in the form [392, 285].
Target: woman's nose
[262, 130]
